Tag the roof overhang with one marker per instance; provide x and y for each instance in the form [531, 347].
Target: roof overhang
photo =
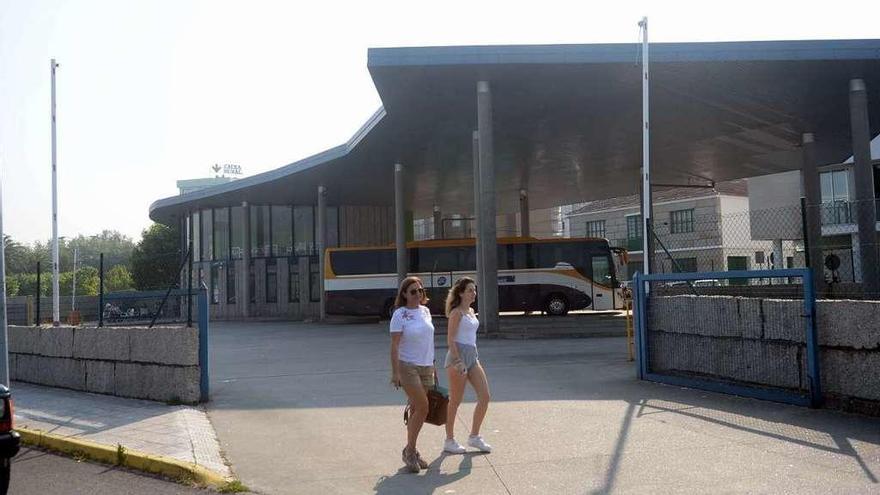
[567, 122]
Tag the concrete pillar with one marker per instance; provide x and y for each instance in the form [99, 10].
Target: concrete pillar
[246, 261]
[438, 223]
[863, 172]
[488, 295]
[475, 141]
[321, 241]
[399, 223]
[813, 203]
[856, 259]
[524, 220]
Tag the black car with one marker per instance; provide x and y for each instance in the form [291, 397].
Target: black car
[10, 440]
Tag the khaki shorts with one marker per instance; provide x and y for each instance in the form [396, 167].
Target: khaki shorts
[411, 374]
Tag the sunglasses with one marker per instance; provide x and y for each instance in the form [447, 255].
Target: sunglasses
[413, 292]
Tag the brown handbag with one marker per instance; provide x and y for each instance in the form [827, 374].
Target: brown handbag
[438, 399]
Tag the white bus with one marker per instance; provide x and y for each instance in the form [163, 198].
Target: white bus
[554, 276]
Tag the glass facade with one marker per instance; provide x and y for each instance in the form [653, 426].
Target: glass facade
[261, 231]
[282, 231]
[237, 232]
[221, 233]
[196, 228]
[271, 281]
[207, 243]
[230, 282]
[303, 230]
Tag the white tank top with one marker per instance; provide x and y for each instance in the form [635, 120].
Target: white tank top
[467, 329]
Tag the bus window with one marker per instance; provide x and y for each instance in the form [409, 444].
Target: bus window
[523, 257]
[354, 262]
[503, 250]
[602, 271]
[443, 259]
[387, 261]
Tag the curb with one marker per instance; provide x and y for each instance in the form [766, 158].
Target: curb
[141, 461]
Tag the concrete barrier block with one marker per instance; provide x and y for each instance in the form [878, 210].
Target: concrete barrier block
[695, 354]
[771, 363]
[853, 324]
[721, 316]
[155, 382]
[784, 320]
[28, 369]
[177, 346]
[850, 373]
[13, 366]
[63, 372]
[100, 377]
[750, 318]
[660, 314]
[110, 344]
[23, 340]
[55, 342]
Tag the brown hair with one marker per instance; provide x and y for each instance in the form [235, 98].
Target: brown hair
[454, 297]
[400, 300]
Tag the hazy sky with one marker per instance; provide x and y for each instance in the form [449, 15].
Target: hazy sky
[152, 92]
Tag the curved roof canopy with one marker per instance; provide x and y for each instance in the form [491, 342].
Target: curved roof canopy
[567, 122]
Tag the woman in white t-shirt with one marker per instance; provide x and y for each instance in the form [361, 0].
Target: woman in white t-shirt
[463, 365]
[412, 361]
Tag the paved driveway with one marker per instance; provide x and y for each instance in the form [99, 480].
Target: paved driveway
[305, 408]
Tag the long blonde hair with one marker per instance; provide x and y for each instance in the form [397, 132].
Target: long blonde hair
[453, 299]
[400, 300]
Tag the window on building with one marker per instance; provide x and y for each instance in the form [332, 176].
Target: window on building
[634, 230]
[596, 228]
[237, 232]
[303, 230]
[293, 280]
[271, 281]
[282, 231]
[314, 281]
[835, 197]
[215, 284]
[207, 235]
[221, 233]
[681, 221]
[230, 282]
[684, 265]
[260, 231]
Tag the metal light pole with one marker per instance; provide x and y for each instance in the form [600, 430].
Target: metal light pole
[73, 296]
[646, 156]
[4, 349]
[56, 302]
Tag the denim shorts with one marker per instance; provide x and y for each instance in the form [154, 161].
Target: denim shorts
[468, 353]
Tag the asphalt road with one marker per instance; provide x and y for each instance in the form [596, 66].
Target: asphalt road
[36, 472]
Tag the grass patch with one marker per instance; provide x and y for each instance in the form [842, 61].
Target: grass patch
[120, 455]
[234, 486]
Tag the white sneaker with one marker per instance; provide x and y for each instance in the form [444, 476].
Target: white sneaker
[450, 446]
[478, 443]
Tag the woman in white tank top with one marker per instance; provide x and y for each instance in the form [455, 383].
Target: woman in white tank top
[463, 365]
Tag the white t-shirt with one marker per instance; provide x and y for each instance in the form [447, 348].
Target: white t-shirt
[417, 342]
[467, 329]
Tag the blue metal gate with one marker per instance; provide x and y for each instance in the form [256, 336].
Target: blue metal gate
[748, 333]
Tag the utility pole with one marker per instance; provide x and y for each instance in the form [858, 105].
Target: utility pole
[56, 301]
[647, 231]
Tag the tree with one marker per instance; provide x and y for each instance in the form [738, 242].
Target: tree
[87, 282]
[118, 279]
[12, 286]
[156, 258]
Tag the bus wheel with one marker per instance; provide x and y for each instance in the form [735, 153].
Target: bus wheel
[557, 305]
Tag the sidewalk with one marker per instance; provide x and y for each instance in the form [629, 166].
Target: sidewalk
[179, 432]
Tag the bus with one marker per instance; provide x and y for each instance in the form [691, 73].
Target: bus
[553, 276]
